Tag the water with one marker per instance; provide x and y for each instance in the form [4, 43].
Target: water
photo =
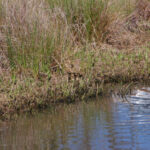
[109, 123]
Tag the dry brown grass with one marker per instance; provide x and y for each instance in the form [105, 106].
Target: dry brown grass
[21, 16]
[133, 30]
[35, 33]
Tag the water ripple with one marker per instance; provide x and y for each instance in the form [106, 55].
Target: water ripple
[110, 123]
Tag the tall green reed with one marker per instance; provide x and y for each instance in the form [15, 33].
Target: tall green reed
[88, 19]
[40, 33]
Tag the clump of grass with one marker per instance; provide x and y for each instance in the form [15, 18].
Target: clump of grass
[88, 19]
[38, 32]
[36, 35]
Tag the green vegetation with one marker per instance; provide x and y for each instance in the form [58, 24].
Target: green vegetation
[64, 50]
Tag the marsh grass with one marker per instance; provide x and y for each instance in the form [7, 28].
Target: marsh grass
[0, 12]
[41, 35]
[27, 92]
[57, 51]
[38, 32]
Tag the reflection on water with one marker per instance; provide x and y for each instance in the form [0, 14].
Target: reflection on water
[110, 123]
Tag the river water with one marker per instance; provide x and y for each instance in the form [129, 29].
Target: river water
[107, 123]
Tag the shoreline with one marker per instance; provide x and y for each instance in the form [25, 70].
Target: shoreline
[41, 98]
[62, 53]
